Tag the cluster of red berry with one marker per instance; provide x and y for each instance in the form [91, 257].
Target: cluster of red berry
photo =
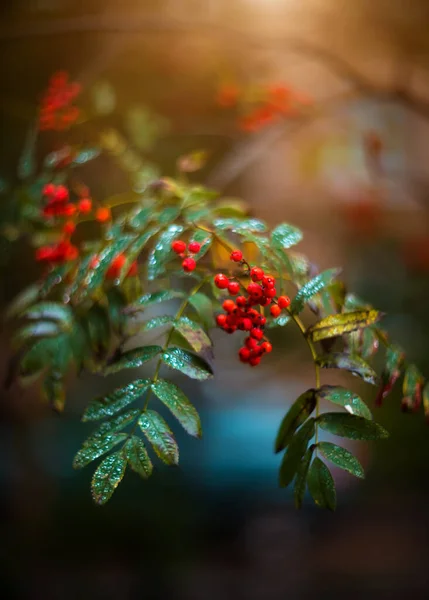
[179, 247]
[240, 315]
[57, 111]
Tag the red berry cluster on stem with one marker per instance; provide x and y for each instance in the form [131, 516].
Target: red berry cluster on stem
[57, 111]
[241, 314]
[179, 247]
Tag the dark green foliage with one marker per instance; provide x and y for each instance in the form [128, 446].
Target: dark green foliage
[295, 451]
[341, 458]
[300, 410]
[351, 426]
[321, 485]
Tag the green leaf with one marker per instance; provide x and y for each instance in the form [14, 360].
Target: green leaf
[55, 352]
[395, 357]
[339, 324]
[140, 218]
[321, 485]
[53, 311]
[285, 236]
[370, 343]
[240, 225]
[106, 406]
[96, 449]
[156, 322]
[85, 155]
[40, 329]
[135, 249]
[412, 389]
[160, 436]
[108, 476]
[342, 458]
[301, 477]
[300, 410]
[278, 322]
[189, 364]
[133, 358]
[352, 427]
[204, 308]
[203, 238]
[176, 401]
[155, 298]
[137, 457]
[113, 425]
[98, 327]
[311, 288]
[24, 299]
[115, 309]
[53, 392]
[193, 334]
[162, 251]
[294, 453]
[349, 362]
[345, 398]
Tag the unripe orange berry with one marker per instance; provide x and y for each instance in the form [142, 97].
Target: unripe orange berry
[275, 310]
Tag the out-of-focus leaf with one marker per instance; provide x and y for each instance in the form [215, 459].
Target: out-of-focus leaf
[55, 277]
[53, 392]
[204, 308]
[108, 476]
[106, 406]
[301, 477]
[52, 311]
[140, 217]
[103, 98]
[231, 208]
[294, 453]
[345, 398]
[133, 358]
[35, 330]
[137, 457]
[203, 238]
[426, 401]
[285, 236]
[193, 334]
[351, 426]
[98, 327]
[85, 155]
[189, 364]
[370, 343]
[97, 448]
[178, 403]
[156, 322]
[341, 458]
[278, 322]
[311, 288]
[24, 299]
[240, 225]
[353, 363]
[395, 357]
[300, 410]
[162, 252]
[339, 324]
[194, 161]
[160, 436]
[321, 485]
[155, 298]
[27, 160]
[412, 389]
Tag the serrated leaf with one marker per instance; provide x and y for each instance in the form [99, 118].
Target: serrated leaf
[137, 457]
[294, 453]
[352, 426]
[300, 410]
[178, 403]
[370, 343]
[341, 458]
[160, 436]
[52, 311]
[193, 334]
[108, 476]
[155, 298]
[133, 358]
[340, 324]
[55, 352]
[162, 252]
[395, 357]
[285, 236]
[301, 477]
[106, 406]
[412, 389]
[141, 217]
[345, 398]
[321, 485]
[35, 330]
[134, 250]
[189, 364]
[23, 300]
[96, 449]
[98, 327]
[156, 322]
[113, 425]
[278, 322]
[204, 308]
[353, 363]
[311, 288]
[240, 225]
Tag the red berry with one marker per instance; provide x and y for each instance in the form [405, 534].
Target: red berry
[230, 329]
[268, 282]
[254, 361]
[260, 320]
[85, 205]
[103, 214]
[270, 292]
[283, 301]
[228, 305]
[189, 265]
[256, 274]
[275, 310]
[69, 227]
[69, 210]
[61, 193]
[221, 281]
[265, 301]
[236, 255]
[233, 288]
[247, 324]
[48, 189]
[244, 354]
[221, 320]
[250, 343]
[255, 291]
[178, 246]
[241, 301]
[231, 320]
[194, 247]
[256, 333]
[267, 347]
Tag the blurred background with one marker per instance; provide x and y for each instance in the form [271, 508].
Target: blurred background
[351, 172]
